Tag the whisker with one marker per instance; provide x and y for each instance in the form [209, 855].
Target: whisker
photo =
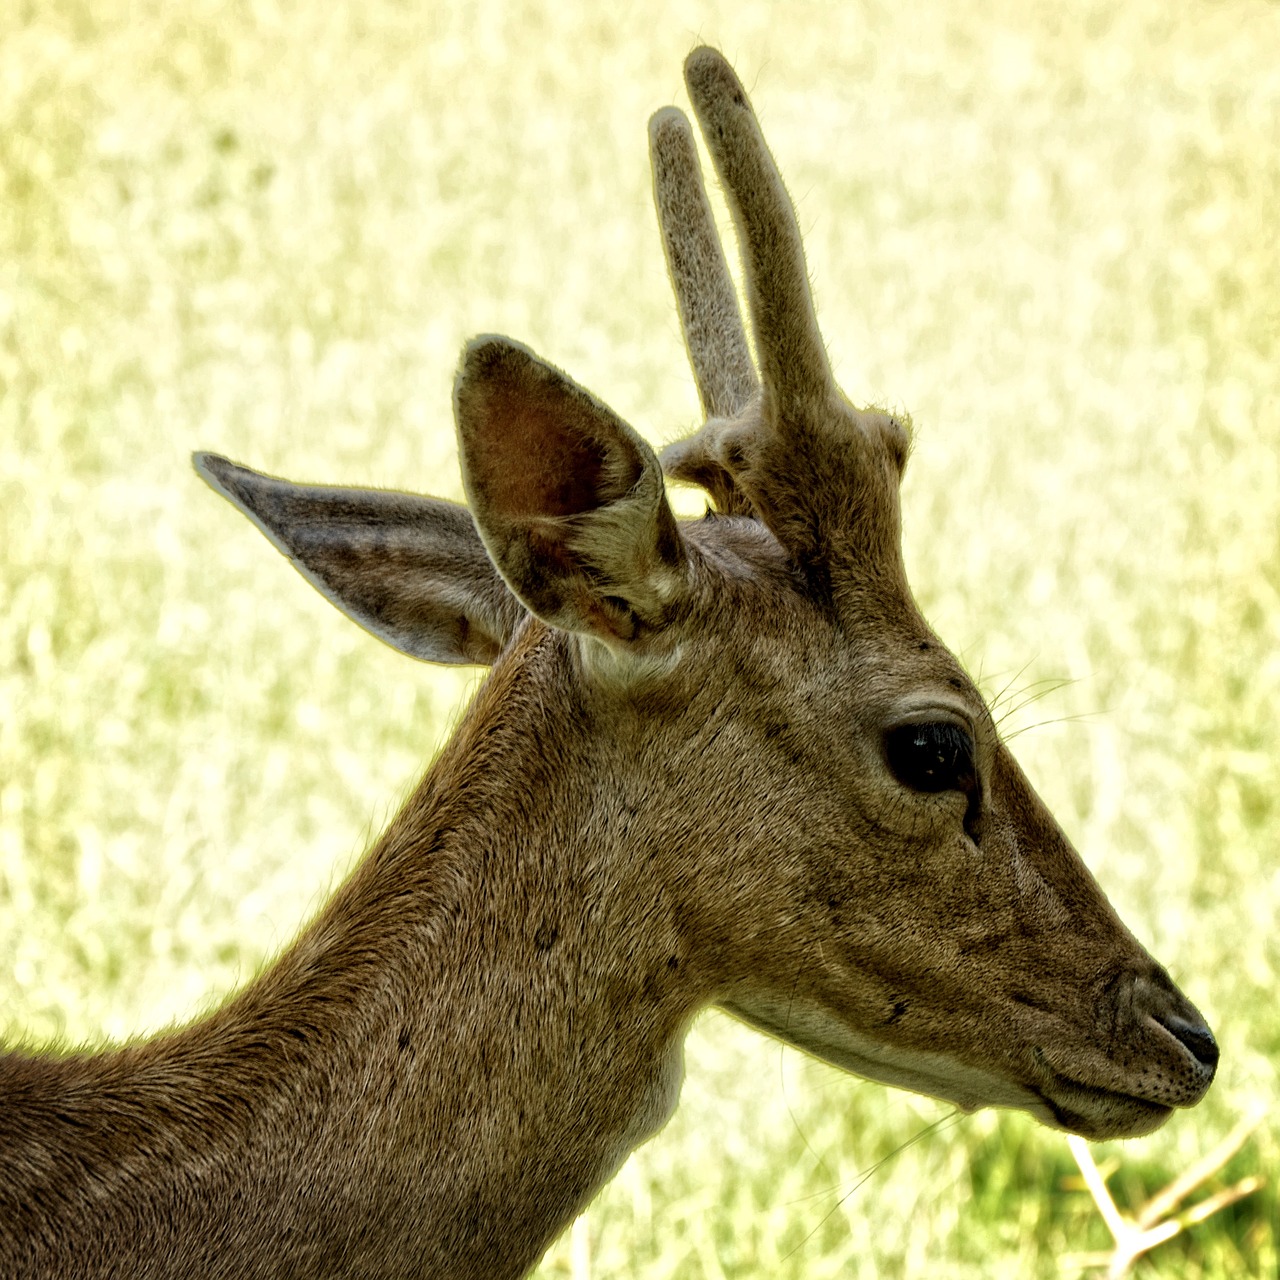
[1040, 724]
[864, 1175]
[1031, 692]
[1000, 693]
[782, 1077]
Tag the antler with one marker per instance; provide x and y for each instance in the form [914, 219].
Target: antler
[820, 473]
[793, 361]
[708, 304]
[705, 295]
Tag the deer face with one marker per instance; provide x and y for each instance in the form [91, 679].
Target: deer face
[861, 863]
[897, 899]
[849, 856]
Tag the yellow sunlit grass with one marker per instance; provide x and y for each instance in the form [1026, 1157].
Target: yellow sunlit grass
[266, 228]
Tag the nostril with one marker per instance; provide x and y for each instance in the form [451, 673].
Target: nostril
[1197, 1038]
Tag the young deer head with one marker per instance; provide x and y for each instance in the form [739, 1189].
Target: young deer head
[723, 761]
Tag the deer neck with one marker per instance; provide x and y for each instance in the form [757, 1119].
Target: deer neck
[433, 1080]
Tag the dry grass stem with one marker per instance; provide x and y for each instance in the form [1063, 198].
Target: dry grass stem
[1151, 1225]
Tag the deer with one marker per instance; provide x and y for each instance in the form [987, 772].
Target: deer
[722, 761]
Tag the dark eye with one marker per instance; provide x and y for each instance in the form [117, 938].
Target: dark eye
[932, 757]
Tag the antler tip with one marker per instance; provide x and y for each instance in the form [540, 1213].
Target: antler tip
[707, 69]
[673, 454]
[667, 122]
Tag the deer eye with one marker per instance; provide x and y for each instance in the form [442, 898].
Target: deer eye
[932, 757]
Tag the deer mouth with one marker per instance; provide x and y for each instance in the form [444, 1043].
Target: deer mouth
[1166, 1058]
[1094, 1112]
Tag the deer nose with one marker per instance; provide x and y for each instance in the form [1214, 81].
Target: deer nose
[1195, 1037]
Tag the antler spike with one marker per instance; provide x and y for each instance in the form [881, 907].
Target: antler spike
[709, 312]
[822, 475]
[708, 303]
[793, 360]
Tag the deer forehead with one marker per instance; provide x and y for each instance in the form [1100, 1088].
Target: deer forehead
[753, 624]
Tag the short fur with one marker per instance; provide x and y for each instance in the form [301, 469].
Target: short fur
[674, 790]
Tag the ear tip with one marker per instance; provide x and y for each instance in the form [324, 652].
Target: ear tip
[212, 468]
[492, 346]
[241, 486]
[488, 354]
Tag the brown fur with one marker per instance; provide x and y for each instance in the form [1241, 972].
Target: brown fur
[673, 790]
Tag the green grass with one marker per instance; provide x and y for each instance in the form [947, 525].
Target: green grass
[1047, 231]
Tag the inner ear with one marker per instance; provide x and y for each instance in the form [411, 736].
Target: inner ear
[571, 459]
[568, 499]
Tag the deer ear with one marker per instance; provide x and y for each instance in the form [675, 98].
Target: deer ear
[568, 499]
[409, 569]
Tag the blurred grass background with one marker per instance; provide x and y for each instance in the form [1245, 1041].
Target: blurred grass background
[266, 227]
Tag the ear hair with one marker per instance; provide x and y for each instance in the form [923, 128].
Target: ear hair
[568, 499]
[411, 570]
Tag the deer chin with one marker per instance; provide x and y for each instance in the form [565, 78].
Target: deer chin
[1054, 1099]
[1094, 1111]
[937, 1075]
